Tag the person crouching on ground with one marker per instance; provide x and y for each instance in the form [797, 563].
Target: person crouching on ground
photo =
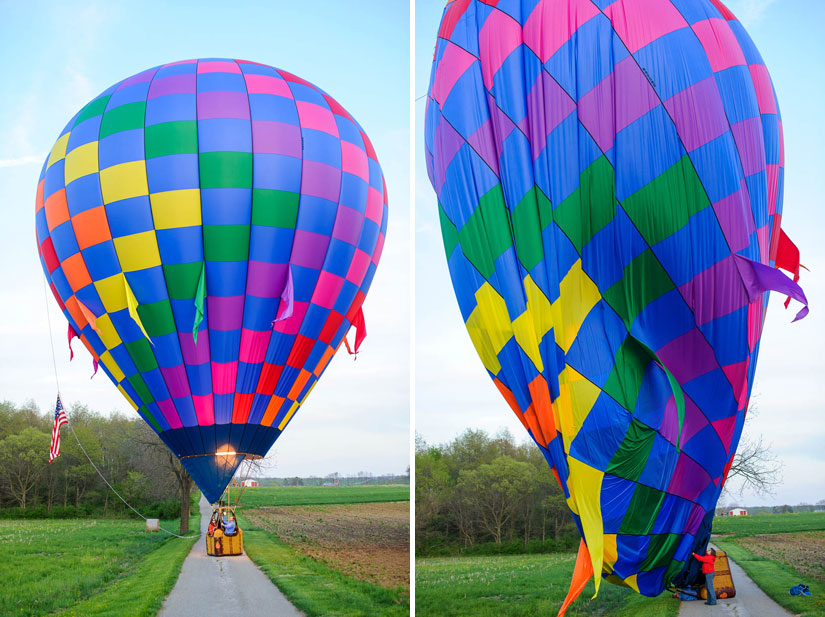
[709, 571]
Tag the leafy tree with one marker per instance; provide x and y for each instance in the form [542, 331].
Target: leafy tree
[23, 460]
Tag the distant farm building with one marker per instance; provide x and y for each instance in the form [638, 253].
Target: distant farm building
[738, 512]
[250, 482]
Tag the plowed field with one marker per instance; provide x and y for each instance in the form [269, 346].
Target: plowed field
[368, 541]
[804, 552]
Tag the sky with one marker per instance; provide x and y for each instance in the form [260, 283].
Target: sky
[453, 391]
[58, 56]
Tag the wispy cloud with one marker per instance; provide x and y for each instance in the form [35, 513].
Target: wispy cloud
[22, 160]
[750, 12]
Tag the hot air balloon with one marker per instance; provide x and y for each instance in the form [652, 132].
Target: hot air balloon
[609, 176]
[210, 229]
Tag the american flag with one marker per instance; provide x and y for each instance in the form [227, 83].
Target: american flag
[59, 420]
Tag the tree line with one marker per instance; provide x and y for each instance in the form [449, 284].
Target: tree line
[487, 494]
[127, 452]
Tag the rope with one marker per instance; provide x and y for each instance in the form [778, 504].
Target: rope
[91, 462]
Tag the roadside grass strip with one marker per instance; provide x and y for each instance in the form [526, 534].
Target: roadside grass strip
[88, 567]
[521, 586]
[776, 579]
[314, 587]
[322, 495]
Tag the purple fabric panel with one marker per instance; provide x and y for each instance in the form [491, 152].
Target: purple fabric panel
[689, 479]
[697, 513]
[698, 113]
[222, 104]
[271, 137]
[694, 422]
[670, 422]
[446, 143]
[321, 180]
[348, 224]
[484, 143]
[751, 145]
[715, 292]
[736, 218]
[502, 124]
[688, 356]
[192, 353]
[140, 78]
[173, 84]
[309, 249]
[176, 380]
[265, 280]
[547, 105]
[619, 99]
[759, 278]
[225, 313]
[285, 308]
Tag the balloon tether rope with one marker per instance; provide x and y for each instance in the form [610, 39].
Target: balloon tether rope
[82, 449]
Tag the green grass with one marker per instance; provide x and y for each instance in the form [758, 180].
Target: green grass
[314, 587]
[322, 495]
[521, 586]
[769, 523]
[775, 579]
[88, 567]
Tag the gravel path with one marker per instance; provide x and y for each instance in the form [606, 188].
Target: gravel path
[750, 601]
[223, 585]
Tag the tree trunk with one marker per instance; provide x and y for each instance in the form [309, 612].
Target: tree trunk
[185, 489]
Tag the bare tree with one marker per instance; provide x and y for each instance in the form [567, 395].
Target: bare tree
[755, 467]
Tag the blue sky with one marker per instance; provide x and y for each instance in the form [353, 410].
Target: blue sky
[453, 391]
[57, 56]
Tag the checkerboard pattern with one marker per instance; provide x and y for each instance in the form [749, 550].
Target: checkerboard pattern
[603, 168]
[169, 214]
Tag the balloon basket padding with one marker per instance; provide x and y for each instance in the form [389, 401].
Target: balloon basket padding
[230, 545]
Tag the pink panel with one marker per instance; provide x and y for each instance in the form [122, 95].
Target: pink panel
[497, 39]
[375, 205]
[224, 375]
[379, 248]
[553, 22]
[327, 289]
[204, 409]
[638, 22]
[218, 67]
[764, 89]
[719, 43]
[253, 345]
[291, 325]
[312, 116]
[358, 267]
[454, 61]
[267, 84]
[354, 160]
[724, 428]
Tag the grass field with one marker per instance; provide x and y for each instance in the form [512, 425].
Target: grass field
[776, 575]
[322, 495]
[88, 567]
[315, 587]
[769, 523]
[521, 586]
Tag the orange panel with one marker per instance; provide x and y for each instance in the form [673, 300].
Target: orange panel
[535, 427]
[511, 400]
[272, 410]
[91, 227]
[322, 363]
[300, 382]
[38, 201]
[76, 272]
[74, 310]
[542, 406]
[57, 210]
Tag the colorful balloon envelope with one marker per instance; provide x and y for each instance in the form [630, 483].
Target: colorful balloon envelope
[210, 229]
[609, 177]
